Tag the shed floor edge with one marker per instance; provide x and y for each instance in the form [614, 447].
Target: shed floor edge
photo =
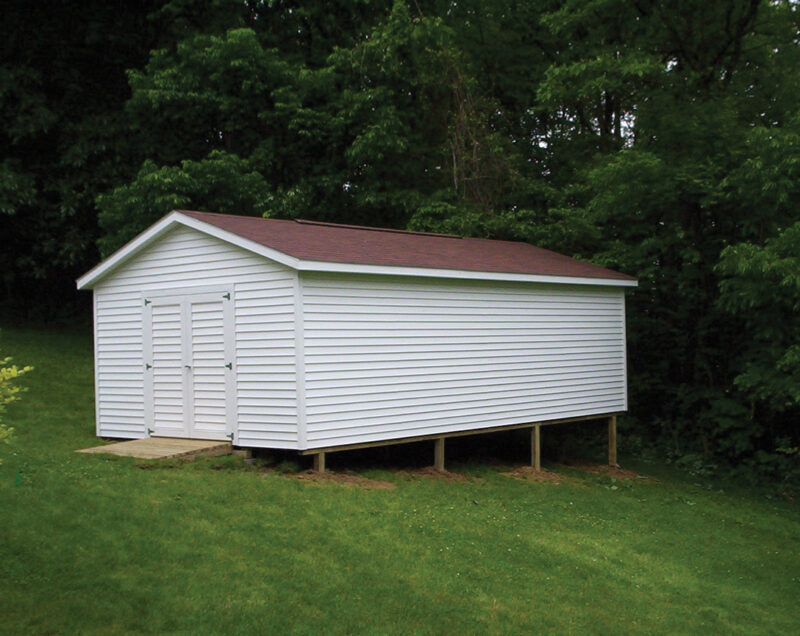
[475, 431]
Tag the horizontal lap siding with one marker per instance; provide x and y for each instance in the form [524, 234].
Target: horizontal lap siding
[264, 334]
[267, 412]
[389, 358]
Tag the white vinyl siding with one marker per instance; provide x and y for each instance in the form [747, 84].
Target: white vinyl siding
[387, 358]
[208, 370]
[187, 261]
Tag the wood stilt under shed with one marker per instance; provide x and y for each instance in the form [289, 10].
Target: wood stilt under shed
[612, 441]
[438, 454]
[536, 449]
[439, 442]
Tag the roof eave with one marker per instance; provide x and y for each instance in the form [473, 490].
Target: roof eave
[426, 272]
[176, 217]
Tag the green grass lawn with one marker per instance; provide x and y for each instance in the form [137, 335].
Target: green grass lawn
[95, 544]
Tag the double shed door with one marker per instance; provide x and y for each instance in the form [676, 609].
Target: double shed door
[189, 366]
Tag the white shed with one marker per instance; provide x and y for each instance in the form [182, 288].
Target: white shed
[314, 336]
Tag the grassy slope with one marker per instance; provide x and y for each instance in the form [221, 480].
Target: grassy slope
[97, 545]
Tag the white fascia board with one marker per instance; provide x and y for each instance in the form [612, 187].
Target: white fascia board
[391, 270]
[125, 252]
[136, 245]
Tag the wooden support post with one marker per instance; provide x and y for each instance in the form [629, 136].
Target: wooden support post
[438, 454]
[612, 441]
[536, 449]
[319, 462]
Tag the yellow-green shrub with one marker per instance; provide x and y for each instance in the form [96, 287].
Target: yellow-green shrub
[9, 392]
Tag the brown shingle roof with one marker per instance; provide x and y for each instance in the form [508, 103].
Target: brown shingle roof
[328, 242]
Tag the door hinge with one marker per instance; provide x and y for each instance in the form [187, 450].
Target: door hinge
[150, 432]
[230, 436]
[230, 365]
[226, 295]
[147, 301]
[148, 366]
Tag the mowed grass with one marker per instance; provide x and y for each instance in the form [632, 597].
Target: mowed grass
[95, 544]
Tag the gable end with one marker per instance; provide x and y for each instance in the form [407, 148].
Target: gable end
[162, 227]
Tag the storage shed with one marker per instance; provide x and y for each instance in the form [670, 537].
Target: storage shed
[314, 336]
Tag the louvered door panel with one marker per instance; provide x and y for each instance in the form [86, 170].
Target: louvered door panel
[168, 370]
[190, 380]
[208, 369]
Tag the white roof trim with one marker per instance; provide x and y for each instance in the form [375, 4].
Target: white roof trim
[130, 249]
[126, 251]
[392, 270]
[235, 239]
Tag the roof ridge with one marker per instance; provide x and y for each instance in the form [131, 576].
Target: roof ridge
[375, 229]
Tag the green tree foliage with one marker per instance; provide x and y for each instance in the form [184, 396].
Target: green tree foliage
[62, 141]
[675, 182]
[761, 290]
[369, 136]
[211, 93]
[660, 138]
[383, 117]
[222, 182]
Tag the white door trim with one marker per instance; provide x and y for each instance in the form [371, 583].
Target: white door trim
[147, 354]
[231, 402]
[186, 363]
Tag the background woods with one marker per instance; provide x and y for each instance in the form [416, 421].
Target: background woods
[658, 138]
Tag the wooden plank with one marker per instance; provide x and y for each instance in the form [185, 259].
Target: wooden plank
[612, 441]
[536, 451]
[319, 463]
[438, 454]
[423, 438]
[162, 447]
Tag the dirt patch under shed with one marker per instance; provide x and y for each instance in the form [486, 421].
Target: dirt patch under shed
[346, 479]
[622, 474]
[429, 472]
[529, 473]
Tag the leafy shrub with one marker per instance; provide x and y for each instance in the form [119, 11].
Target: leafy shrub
[9, 392]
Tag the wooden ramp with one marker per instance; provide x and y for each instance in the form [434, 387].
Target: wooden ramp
[163, 448]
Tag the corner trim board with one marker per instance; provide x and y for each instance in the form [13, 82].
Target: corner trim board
[96, 366]
[300, 362]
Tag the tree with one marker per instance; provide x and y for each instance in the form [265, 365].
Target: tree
[62, 140]
[650, 136]
[223, 182]
[692, 81]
